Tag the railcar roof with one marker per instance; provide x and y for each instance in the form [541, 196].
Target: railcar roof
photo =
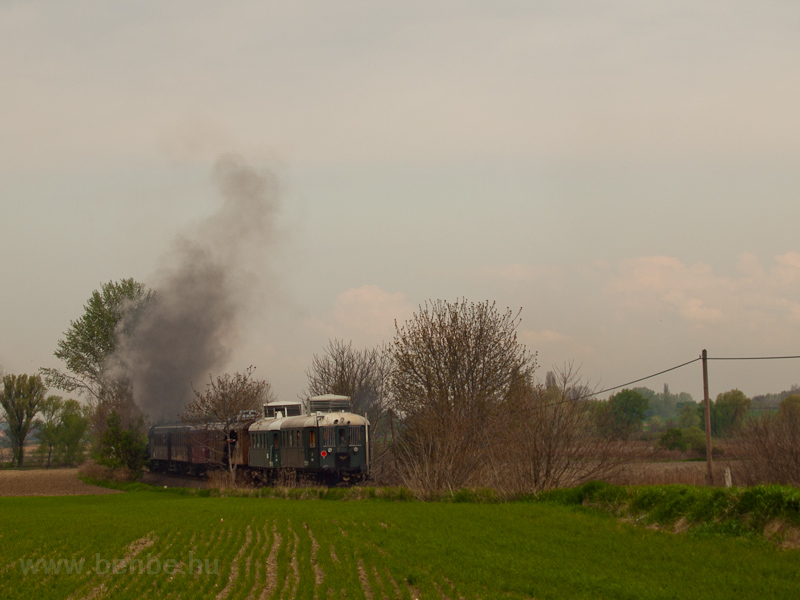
[321, 420]
[329, 397]
[169, 428]
[178, 428]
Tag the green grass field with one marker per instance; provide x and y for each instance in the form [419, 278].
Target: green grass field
[165, 545]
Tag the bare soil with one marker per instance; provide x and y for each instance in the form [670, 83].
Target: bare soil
[169, 480]
[47, 482]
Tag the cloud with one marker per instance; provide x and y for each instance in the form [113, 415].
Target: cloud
[699, 295]
[648, 285]
[788, 269]
[665, 282]
[366, 314]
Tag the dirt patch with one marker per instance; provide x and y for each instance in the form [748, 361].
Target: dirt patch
[785, 535]
[272, 562]
[50, 482]
[171, 480]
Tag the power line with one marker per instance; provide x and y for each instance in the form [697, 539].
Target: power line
[616, 387]
[694, 360]
[750, 357]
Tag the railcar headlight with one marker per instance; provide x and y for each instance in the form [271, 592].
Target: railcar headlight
[355, 449]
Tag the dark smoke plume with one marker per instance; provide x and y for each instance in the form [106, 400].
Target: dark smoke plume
[206, 284]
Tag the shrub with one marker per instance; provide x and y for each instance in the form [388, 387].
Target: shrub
[695, 438]
[672, 439]
[122, 448]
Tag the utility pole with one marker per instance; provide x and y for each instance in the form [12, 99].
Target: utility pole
[707, 403]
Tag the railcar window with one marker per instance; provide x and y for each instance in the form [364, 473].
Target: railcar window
[276, 441]
[297, 438]
[328, 436]
[343, 436]
[355, 436]
[312, 439]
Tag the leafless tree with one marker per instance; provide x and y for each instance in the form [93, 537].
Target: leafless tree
[768, 447]
[360, 374]
[546, 437]
[227, 405]
[454, 366]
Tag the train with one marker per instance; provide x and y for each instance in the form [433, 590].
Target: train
[326, 443]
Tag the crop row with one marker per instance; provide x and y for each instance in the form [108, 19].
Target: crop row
[161, 545]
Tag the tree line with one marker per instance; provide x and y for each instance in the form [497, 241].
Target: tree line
[60, 425]
[453, 401]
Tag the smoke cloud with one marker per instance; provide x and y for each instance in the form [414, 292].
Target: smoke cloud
[207, 283]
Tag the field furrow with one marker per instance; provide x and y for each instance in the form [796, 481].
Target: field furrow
[149, 545]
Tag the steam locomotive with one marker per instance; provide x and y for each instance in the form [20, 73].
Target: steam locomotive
[328, 444]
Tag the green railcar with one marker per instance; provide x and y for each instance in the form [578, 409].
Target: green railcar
[329, 446]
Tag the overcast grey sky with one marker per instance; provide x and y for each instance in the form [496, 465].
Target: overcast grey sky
[625, 172]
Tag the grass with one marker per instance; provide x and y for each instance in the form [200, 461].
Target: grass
[371, 549]
[765, 510]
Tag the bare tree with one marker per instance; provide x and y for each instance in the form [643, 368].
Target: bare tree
[546, 437]
[225, 408]
[768, 448]
[454, 365]
[360, 374]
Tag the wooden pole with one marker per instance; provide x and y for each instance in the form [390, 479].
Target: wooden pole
[707, 403]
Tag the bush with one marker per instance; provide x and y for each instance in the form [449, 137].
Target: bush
[121, 448]
[94, 472]
[695, 439]
[672, 439]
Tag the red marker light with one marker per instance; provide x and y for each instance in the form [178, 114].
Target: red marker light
[323, 454]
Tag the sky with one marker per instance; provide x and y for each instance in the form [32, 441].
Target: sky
[625, 173]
